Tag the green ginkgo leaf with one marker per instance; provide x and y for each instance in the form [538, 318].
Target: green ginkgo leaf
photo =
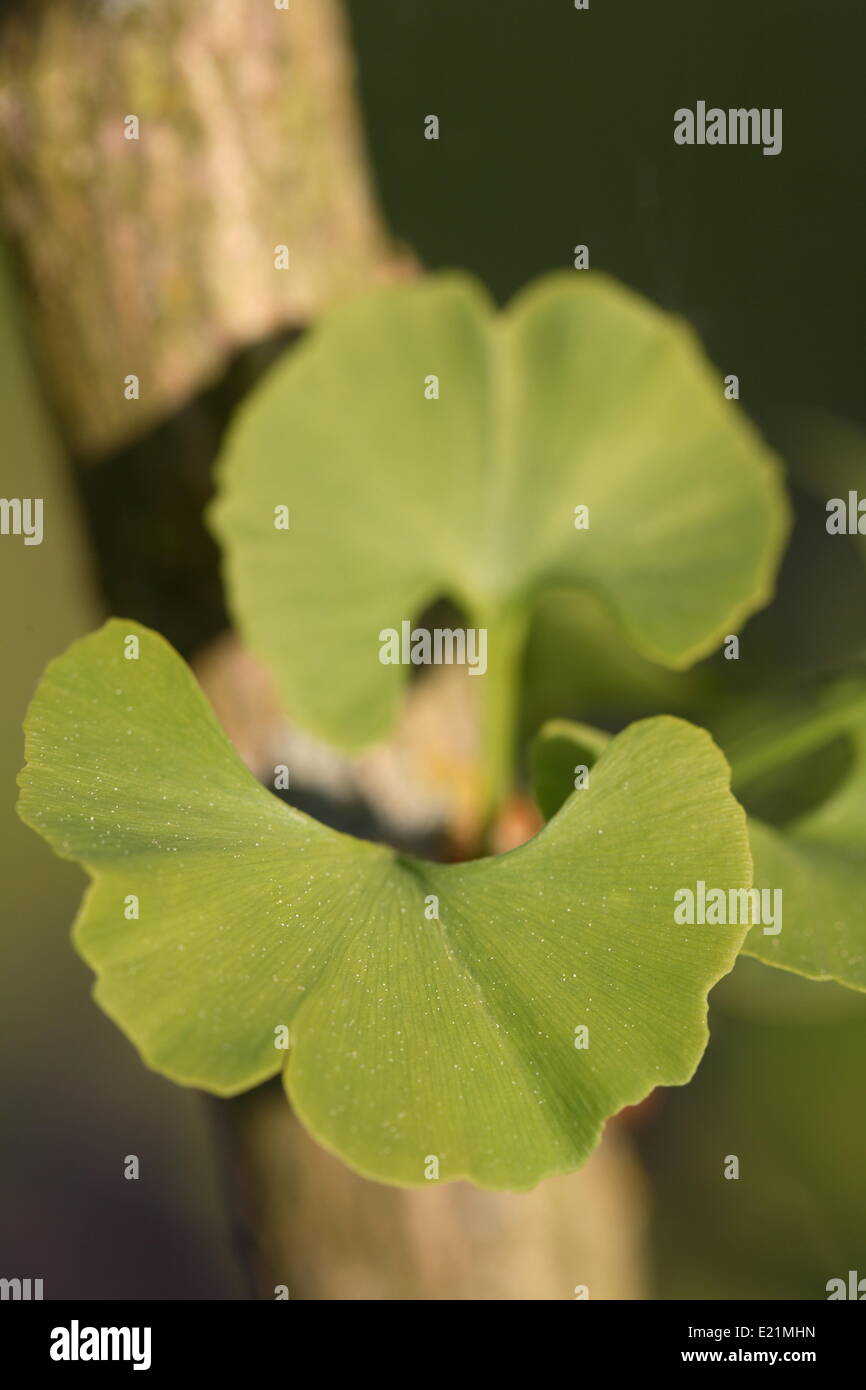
[433, 1011]
[426, 447]
[817, 861]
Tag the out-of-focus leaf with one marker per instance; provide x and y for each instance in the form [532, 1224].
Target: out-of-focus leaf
[819, 860]
[556, 756]
[581, 394]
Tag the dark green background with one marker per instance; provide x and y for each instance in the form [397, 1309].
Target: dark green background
[557, 128]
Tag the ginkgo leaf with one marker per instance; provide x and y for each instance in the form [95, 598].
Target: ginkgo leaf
[817, 861]
[422, 447]
[434, 1012]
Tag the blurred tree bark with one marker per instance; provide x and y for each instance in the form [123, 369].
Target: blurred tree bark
[155, 257]
[311, 1225]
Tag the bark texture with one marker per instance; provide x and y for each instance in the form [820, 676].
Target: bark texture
[155, 256]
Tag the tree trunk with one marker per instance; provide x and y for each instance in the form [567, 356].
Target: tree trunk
[313, 1229]
[154, 256]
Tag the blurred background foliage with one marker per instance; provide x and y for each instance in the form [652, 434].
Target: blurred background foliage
[556, 129]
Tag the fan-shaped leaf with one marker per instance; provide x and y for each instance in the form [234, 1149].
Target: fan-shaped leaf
[432, 1009]
[580, 395]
